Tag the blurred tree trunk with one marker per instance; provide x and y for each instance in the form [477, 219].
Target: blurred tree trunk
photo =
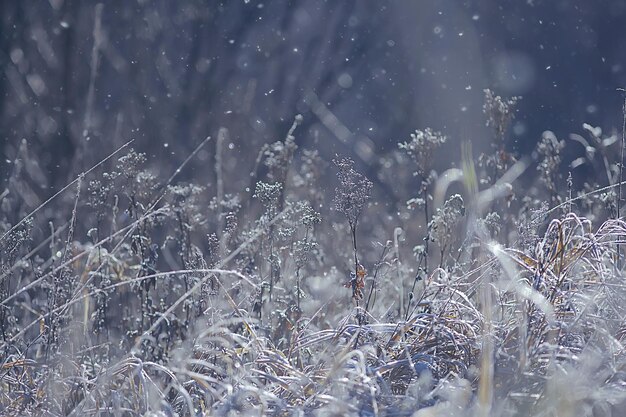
[63, 148]
[8, 18]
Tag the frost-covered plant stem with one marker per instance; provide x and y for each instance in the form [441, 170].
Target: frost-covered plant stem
[421, 148]
[219, 175]
[621, 174]
[350, 199]
[426, 221]
[356, 258]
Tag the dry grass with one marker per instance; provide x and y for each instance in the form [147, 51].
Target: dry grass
[156, 299]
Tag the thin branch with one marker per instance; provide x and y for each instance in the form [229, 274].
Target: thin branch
[78, 178]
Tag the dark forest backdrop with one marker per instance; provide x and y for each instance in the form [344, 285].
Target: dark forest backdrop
[79, 78]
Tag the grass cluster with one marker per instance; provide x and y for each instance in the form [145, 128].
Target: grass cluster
[482, 290]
